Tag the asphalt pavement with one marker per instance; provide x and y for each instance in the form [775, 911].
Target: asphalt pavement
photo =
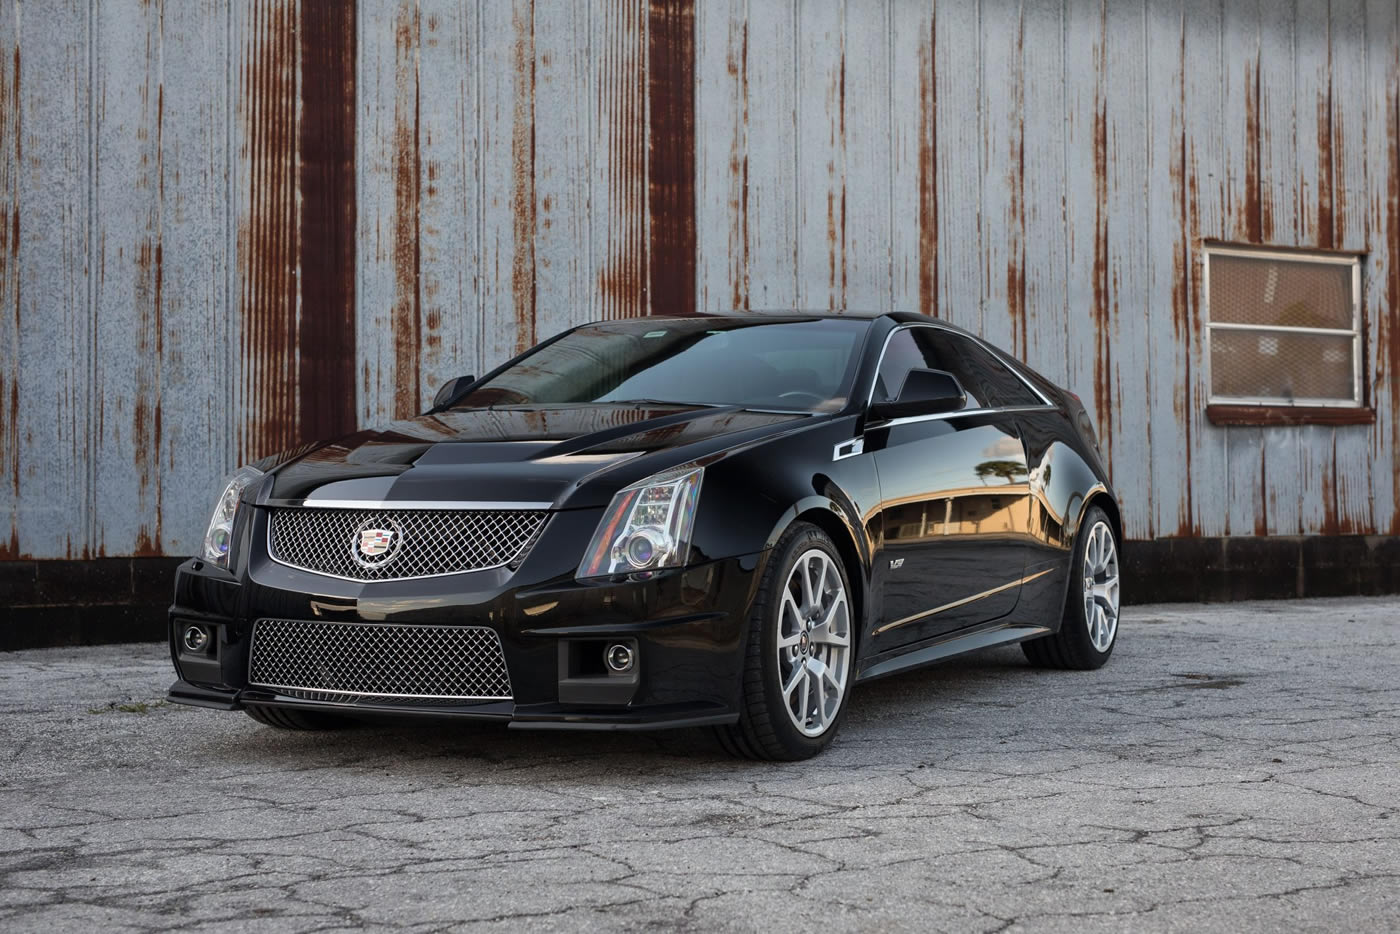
[1233, 768]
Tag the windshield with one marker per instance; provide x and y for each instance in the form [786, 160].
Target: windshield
[800, 366]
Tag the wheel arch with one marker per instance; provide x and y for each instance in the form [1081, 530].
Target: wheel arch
[833, 519]
[1101, 498]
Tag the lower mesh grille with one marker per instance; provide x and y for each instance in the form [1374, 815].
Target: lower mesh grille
[353, 662]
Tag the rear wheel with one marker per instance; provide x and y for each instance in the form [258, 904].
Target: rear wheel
[798, 661]
[284, 719]
[1090, 625]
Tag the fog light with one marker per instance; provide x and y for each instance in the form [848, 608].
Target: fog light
[619, 657]
[196, 638]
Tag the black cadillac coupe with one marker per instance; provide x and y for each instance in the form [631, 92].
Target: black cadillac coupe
[724, 521]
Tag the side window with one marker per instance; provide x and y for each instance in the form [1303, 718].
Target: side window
[901, 356]
[975, 366]
[922, 348]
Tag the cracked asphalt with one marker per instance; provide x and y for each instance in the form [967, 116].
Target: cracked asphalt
[1233, 768]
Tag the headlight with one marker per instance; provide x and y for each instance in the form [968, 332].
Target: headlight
[219, 539]
[647, 525]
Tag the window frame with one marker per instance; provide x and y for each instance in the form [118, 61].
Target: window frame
[959, 413]
[1356, 332]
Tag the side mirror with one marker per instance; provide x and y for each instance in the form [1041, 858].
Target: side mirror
[925, 392]
[450, 389]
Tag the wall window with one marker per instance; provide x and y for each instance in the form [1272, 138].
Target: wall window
[1283, 328]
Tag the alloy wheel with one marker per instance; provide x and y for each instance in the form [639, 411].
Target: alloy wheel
[814, 642]
[1101, 586]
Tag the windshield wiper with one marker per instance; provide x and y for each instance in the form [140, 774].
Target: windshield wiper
[703, 405]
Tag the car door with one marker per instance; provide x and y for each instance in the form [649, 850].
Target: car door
[955, 502]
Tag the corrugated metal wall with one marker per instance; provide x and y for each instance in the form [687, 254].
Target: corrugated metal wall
[1044, 172]
[228, 229]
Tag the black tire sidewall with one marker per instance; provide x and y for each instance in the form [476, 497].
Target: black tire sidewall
[1075, 626]
[798, 744]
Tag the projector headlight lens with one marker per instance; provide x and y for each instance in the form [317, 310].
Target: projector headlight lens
[218, 540]
[647, 525]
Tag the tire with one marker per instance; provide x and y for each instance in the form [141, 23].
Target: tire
[804, 639]
[284, 719]
[1086, 638]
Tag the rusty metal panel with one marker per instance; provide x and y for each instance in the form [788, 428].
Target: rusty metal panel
[1247, 125]
[292, 152]
[390, 316]
[506, 116]
[771, 205]
[1381, 270]
[820, 165]
[567, 186]
[326, 51]
[1256, 112]
[449, 192]
[617, 164]
[958, 135]
[913, 193]
[1166, 304]
[158, 209]
[45, 447]
[1300, 476]
[1126, 351]
[1042, 323]
[1001, 174]
[866, 208]
[1353, 511]
[1086, 223]
[269, 229]
[721, 155]
[11, 153]
[670, 152]
[1203, 215]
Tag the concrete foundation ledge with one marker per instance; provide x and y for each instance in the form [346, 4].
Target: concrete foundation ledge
[1209, 570]
[107, 600]
[84, 602]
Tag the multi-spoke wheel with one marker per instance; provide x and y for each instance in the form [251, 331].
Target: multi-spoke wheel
[797, 669]
[814, 642]
[1101, 586]
[1090, 625]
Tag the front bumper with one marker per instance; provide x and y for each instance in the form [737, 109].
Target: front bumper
[687, 628]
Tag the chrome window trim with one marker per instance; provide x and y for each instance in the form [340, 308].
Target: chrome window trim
[961, 413]
[997, 355]
[1287, 256]
[448, 505]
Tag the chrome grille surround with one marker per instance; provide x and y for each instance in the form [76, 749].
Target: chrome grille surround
[352, 663]
[426, 542]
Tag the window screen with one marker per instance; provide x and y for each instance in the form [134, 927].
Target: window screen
[1284, 328]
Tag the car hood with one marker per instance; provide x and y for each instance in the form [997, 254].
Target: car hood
[574, 456]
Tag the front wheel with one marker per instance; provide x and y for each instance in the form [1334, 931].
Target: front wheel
[798, 661]
[1089, 628]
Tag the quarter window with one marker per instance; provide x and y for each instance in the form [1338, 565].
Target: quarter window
[975, 365]
[917, 348]
[988, 382]
[1283, 328]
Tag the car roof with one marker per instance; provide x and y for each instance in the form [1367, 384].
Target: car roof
[799, 314]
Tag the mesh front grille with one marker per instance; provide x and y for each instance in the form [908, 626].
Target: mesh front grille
[351, 662]
[394, 544]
